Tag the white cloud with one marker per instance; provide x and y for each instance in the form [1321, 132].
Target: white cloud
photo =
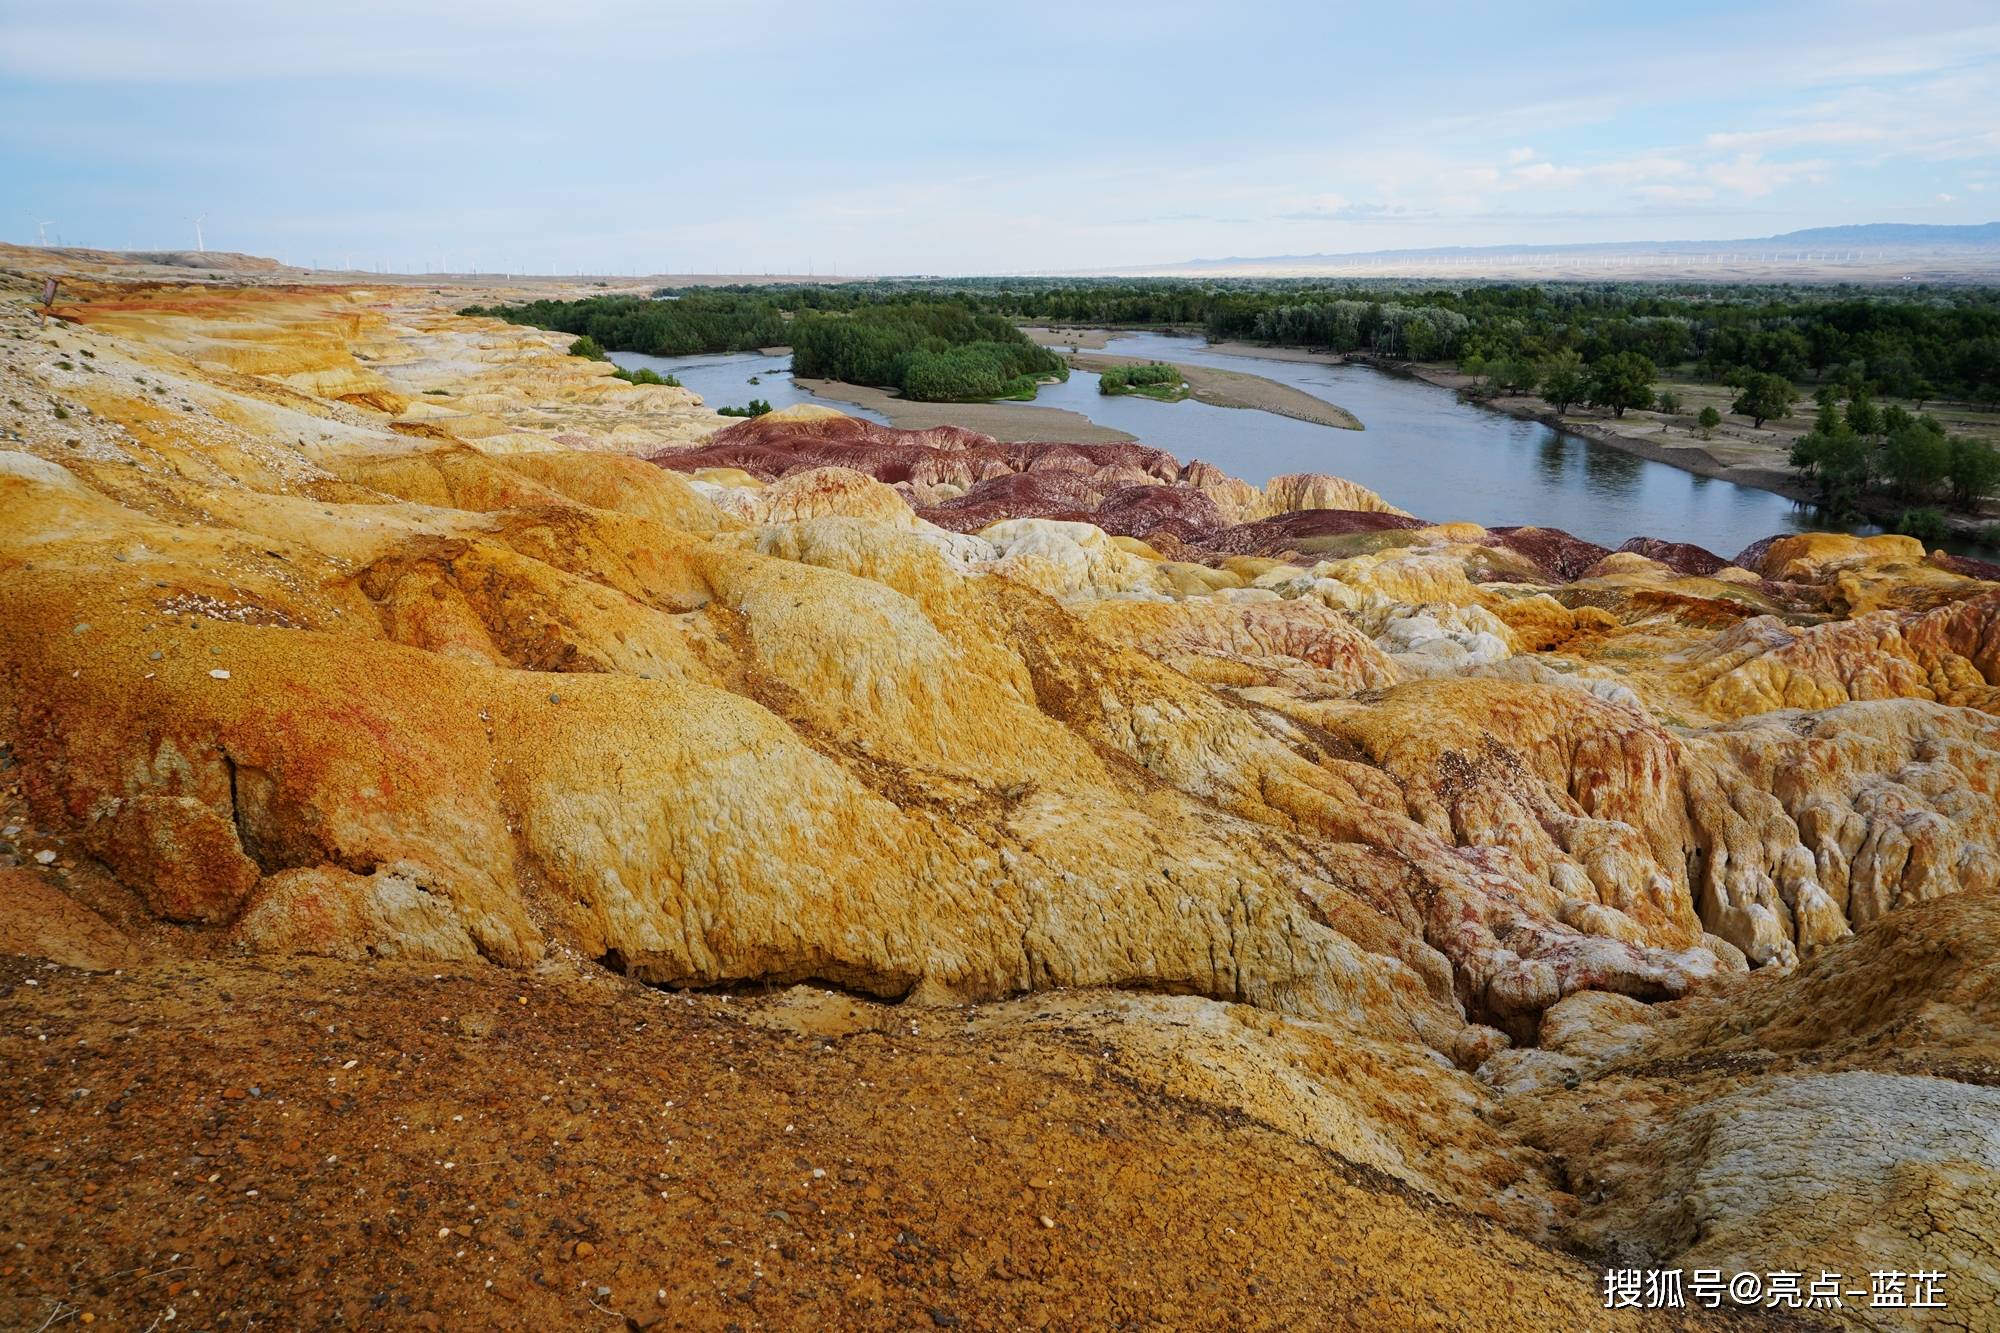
[1750, 176]
[1675, 194]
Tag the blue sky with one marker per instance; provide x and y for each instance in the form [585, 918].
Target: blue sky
[761, 135]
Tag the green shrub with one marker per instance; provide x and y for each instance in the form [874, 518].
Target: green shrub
[647, 375]
[758, 407]
[932, 352]
[1973, 469]
[1154, 379]
[1837, 462]
[1926, 525]
[697, 321]
[587, 347]
[1914, 460]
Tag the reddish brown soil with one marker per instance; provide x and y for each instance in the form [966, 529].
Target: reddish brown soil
[317, 1144]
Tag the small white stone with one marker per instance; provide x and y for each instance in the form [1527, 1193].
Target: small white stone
[219, 674]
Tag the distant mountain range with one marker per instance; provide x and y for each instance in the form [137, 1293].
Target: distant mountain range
[1871, 250]
[1892, 233]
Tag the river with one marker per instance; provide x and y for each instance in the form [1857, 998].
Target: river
[724, 379]
[1430, 453]
[1423, 449]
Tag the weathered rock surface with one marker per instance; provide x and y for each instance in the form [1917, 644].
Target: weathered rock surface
[299, 661]
[1843, 1117]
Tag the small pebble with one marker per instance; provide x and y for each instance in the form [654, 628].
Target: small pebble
[219, 674]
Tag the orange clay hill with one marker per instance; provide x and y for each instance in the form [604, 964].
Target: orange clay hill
[491, 846]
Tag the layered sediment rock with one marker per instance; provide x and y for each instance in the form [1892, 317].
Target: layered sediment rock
[292, 666]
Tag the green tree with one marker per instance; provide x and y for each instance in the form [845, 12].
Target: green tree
[1511, 375]
[587, 347]
[1708, 421]
[1926, 525]
[1973, 468]
[1764, 398]
[1837, 463]
[1914, 460]
[1669, 403]
[1563, 381]
[1622, 380]
[1863, 417]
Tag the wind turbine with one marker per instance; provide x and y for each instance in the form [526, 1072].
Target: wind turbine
[198, 245]
[42, 231]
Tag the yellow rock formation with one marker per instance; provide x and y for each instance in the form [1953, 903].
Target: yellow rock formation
[339, 625]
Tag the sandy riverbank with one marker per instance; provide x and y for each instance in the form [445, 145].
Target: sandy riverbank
[1237, 388]
[1014, 422]
[1063, 338]
[1735, 452]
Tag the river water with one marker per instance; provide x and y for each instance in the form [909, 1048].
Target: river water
[1423, 449]
[723, 379]
[1426, 451]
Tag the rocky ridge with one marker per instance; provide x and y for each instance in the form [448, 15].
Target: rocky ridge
[1529, 882]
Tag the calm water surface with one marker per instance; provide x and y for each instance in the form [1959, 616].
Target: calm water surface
[723, 379]
[1423, 449]
[1433, 455]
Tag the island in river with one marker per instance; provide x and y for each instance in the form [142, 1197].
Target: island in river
[1009, 421]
